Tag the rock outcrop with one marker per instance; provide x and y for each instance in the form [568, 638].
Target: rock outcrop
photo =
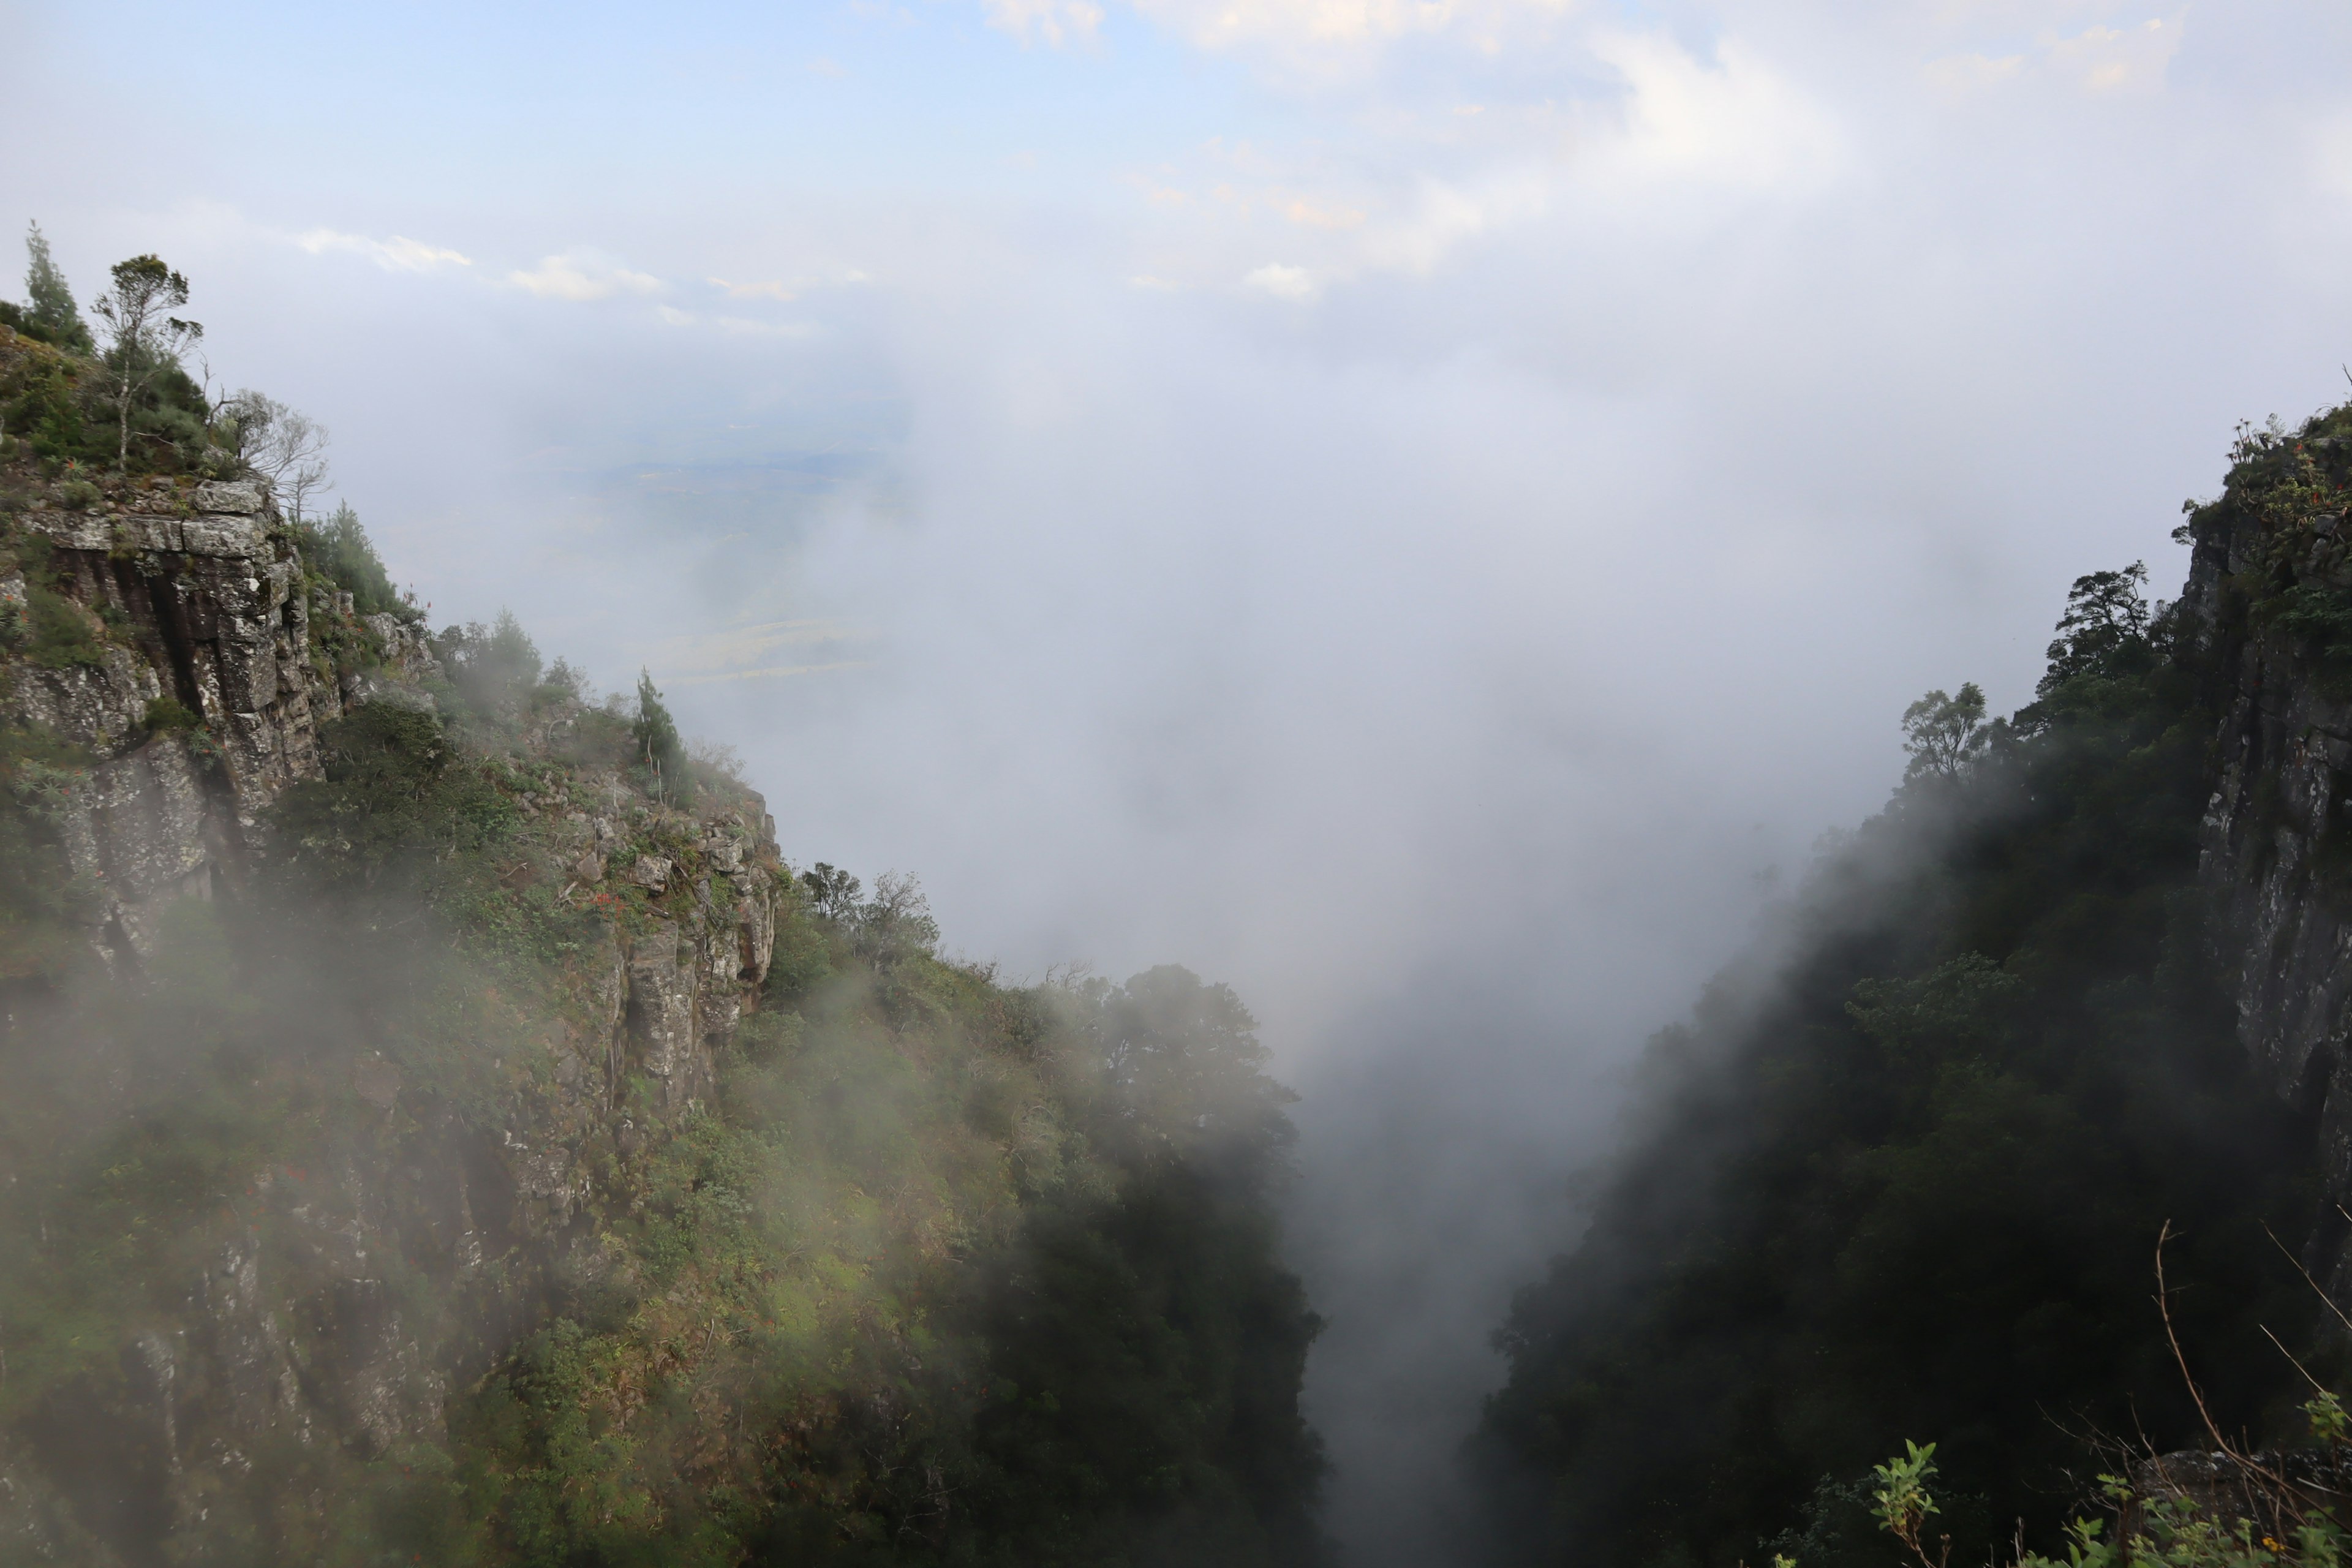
[206, 660]
[2277, 831]
[200, 588]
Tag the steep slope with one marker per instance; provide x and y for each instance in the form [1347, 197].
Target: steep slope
[2269, 600]
[1904, 1174]
[442, 1128]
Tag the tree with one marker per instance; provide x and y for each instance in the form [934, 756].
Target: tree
[657, 741]
[52, 315]
[2105, 631]
[283, 446]
[1944, 734]
[147, 339]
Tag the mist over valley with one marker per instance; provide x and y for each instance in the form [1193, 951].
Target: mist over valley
[1161, 784]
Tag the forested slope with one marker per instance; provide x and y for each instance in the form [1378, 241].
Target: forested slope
[1904, 1174]
[441, 1127]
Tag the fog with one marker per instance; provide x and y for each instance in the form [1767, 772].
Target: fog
[1423, 513]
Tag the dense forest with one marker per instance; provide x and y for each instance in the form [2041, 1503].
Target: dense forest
[442, 1128]
[1904, 1174]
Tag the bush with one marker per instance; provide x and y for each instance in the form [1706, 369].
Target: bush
[340, 550]
[62, 635]
[165, 713]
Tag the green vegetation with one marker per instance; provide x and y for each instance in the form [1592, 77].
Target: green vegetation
[660, 752]
[351, 1219]
[126, 406]
[340, 551]
[1906, 1180]
[50, 316]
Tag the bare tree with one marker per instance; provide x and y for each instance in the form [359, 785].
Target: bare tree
[145, 337]
[284, 447]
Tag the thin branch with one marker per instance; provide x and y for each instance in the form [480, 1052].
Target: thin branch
[2307, 1279]
[2164, 1307]
[2290, 1356]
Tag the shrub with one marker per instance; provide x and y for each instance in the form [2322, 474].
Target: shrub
[165, 713]
[62, 635]
[339, 550]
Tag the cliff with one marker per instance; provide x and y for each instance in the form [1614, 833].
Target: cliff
[2266, 614]
[442, 1128]
[191, 696]
[2080, 986]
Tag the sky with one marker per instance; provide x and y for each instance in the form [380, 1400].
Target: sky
[1421, 508]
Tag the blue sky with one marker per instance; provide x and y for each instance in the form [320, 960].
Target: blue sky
[1379, 501]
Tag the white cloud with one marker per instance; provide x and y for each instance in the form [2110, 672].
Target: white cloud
[2121, 56]
[1735, 121]
[579, 276]
[1444, 216]
[744, 327]
[2113, 60]
[398, 254]
[1055, 21]
[770, 288]
[1297, 26]
[1282, 282]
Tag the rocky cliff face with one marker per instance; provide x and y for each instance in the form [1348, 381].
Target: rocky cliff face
[202, 591]
[2272, 563]
[330, 1305]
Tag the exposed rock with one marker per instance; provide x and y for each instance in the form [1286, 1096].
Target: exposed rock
[664, 1032]
[301, 1342]
[140, 830]
[723, 850]
[404, 648]
[755, 932]
[377, 1081]
[242, 496]
[212, 624]
[2282, 797]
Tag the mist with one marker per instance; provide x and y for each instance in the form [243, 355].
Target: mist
[1426, 524]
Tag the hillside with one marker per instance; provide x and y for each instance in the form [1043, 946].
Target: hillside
[1903, 1175]
[444, 1127]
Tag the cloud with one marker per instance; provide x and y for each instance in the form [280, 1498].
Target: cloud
[1057, 22]
[744, 326]
[1282, 282]
[770, 288]
[1309, 214]
[1296, 27]
[1734, 120]
[2113, 60]
[398, 254]
[579, 276]
[2103, 60]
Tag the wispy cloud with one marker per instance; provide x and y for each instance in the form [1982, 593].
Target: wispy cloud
[398, 254]
[1323, 38]
[1056, 22]
[2120, 57]
[1281, 281]
[769, 289]
[579, 276]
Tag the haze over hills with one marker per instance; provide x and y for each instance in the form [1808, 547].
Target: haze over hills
[1424, 513]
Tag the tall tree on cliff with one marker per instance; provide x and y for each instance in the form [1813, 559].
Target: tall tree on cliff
[146, 339]
[52, 315]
